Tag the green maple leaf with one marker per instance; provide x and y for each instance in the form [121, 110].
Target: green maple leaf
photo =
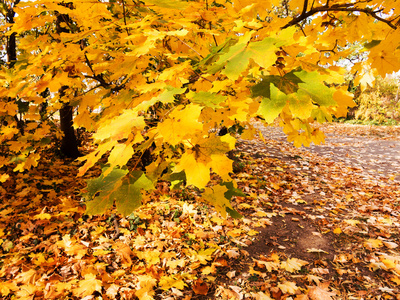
[263, 52]
[313, 85]
[232, 190]
[321, 115]
[125, 192]
[128, 196]
[235, 60]
[207, 99]
[167, 96]
[289, 83]
[271, 107]
[216, 52]
[300, 89]
[101, 190]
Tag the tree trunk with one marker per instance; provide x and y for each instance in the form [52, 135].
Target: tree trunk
[11, 40]
[11, 49]
[69, 143]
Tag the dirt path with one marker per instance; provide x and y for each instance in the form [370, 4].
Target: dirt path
[373, 152]
[326, 205]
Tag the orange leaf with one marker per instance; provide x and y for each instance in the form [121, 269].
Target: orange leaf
[200, 287]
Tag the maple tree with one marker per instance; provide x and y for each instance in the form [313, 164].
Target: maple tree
[158, 78]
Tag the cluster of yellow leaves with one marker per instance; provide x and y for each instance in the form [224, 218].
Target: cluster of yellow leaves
[164, 76]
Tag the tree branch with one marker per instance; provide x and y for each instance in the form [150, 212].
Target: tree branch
[346, 7]
[304, 7]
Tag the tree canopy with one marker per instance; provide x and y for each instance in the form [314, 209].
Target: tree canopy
[159, 78]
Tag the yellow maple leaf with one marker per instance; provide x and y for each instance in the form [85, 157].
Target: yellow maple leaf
[389, 263]
[7, 287]
[293, 264]
[120, 127]
[221, 165]
[151, 257]
[4, 177]
[235, 232]
[373, 243]
[359, 23]
[83, 119]
[288, 287]
[168, 282]
[27, 292]
[26, 277]
[197, 173]
[216, 197]
[146, 284]
[253, 232]
[385, 62]
[119, 156]
[269, 265]
[42, 216]
[88, 286]
[395, 279]
[203, 255]
[94, 156]
[209, 270]
[38, 258]
[205, 154]
[72, 247]
[181, 123]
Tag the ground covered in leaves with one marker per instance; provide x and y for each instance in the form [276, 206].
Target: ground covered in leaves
[313, 227]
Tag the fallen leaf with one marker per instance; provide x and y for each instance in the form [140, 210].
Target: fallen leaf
[288, 287]
[320, 292]
[313, 250]
[261, 296]
[373, 243]
[88, 286]
[231, 274]
[200, 287]
[293, 264]
[337, 230]
[232, 254]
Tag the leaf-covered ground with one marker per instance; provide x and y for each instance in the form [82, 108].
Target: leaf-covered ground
[313, 228]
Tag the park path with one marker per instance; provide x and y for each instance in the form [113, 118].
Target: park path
[373, 151]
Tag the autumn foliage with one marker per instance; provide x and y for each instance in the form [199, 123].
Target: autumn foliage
[159, 78]
[161, 93]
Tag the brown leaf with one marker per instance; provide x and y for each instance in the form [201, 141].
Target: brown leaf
[125, 252]
[200, 287]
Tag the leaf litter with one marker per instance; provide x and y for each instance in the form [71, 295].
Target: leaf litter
[312, 228]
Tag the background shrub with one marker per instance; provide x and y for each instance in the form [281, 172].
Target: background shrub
[380, 103]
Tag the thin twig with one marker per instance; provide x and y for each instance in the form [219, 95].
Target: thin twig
[124, 12]
[189, 46]
[347, 7]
